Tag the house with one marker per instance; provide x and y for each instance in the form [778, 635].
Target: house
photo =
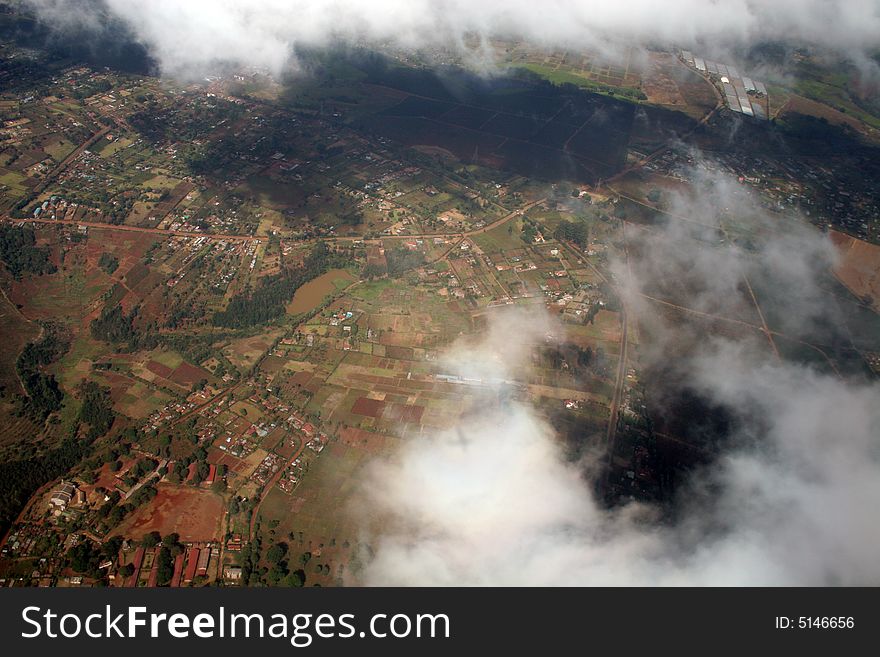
[138, 561]
[62, 496]
[204, 560]
[191, 565]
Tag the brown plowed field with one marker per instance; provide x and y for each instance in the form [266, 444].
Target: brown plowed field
[193, 513]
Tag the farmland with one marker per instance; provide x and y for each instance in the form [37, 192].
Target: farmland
[227, 302]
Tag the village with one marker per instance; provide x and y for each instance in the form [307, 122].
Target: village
[228, 299]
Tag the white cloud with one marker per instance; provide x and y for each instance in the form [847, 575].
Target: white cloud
[792, 501]
[188, 37]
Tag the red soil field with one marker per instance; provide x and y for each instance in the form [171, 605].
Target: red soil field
[158, 368]
[194, 513]
[186, 374]
[136, 274]
[219, 457]
[368, 407]
[286, 450]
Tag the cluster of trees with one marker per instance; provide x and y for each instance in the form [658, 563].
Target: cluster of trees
[114, 326]
[114, 512]
[85, 557]
[529, 231]
[88, 90]
[139, 469]
[573, 231]
[200, 458]
[183, 124]
[169, 547]
[97, 408]
[191, 311]
[19, 251]
[372, 271]
[19, 479]
[575, 357]
[250, 560]
[108, 262]
[280, 570]
[267, 302]
[241, 505]
[44, 396]
[401, 260]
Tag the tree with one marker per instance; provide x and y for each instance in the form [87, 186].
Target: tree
[296, 579]
[276, 553]
[571, 231]
[19, 252]
[151, 540]
[277, 572]
[112, 546]
[164, 566]
[84, 558]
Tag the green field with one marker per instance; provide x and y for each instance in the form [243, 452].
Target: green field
[560, 76]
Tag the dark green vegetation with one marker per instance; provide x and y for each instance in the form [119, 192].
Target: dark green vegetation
[19, 479]
[522, 122]
[109, 263]
[43, 396]
[283, 570]
[158, 126]
[86, 557]
[96, 410]
[573, 231]
[401, 260]
[267, 302]
[114, 326]
[19, 251]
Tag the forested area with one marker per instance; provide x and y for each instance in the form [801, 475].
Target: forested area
[19, 479]
[19, 251]
[97, 408]
[114, 326]
[573, 231]
[401, 260]
[43, 395]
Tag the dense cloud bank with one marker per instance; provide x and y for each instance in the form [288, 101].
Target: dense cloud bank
[190, 38]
